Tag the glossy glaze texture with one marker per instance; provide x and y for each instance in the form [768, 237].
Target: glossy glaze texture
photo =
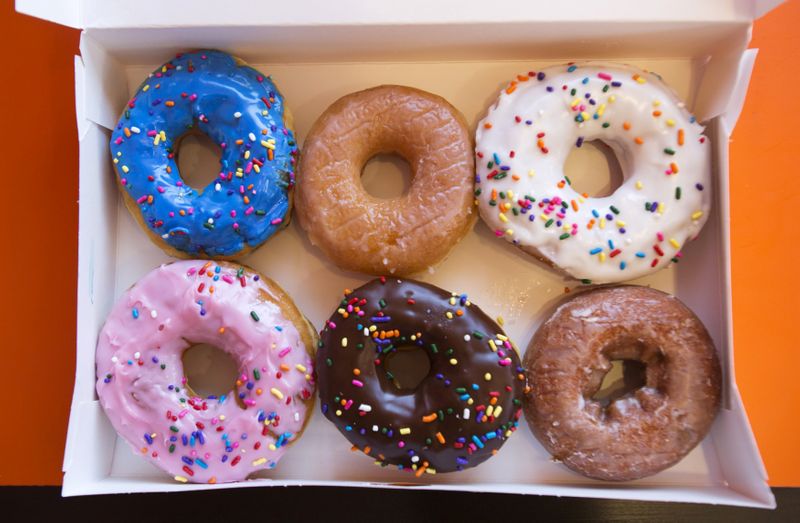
[397, 236]
[463, 410]
[242, 112]
[525, 197]
[143, 389]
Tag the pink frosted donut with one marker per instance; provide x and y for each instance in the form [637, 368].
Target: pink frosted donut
[145, 394]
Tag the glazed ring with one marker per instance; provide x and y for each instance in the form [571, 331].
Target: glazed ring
[458, 416]
[242, 111]
[145, 394]
[644, 431]
[525, 197]
[378, 236]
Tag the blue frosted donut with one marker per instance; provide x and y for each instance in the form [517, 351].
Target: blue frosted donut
[242, 111]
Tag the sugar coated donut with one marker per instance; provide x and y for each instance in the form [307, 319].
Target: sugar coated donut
[644, 431]
[525, 197]
[458, 416]
[143, 389]
[378, 236]
[241, 110]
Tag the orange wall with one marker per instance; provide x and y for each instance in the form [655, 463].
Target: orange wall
[38, 161]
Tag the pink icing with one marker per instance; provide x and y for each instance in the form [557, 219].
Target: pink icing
[141, 381]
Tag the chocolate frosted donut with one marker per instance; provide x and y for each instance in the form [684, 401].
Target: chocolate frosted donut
[458, 416]
[644, 431]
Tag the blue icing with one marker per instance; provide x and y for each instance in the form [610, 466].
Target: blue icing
[239, 109]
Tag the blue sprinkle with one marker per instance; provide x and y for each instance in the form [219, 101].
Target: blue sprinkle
[491, 435]
[571, 68]
[148, 439]
[478, 442]
[622, 265]
[596, 250]
[595, 213]
[201, 463]
[135, 313]
[611, 245]
[461, 461]
[640, 254]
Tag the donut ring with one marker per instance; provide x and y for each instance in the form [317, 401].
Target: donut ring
[643, 432]
[142, 386]
[458, 416]
[525, 197]
[378, 236]
[241, 110]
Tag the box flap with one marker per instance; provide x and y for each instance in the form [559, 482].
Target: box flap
[64, 12]
[196, 13]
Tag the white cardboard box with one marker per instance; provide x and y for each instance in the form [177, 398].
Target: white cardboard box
[464, 51]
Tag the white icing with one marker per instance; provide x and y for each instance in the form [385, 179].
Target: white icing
[532, 172]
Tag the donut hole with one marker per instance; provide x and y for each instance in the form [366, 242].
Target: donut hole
[386, 176]
[407, 367]
[198, 159]
[623, 378]
[594, 169]
[209, 370]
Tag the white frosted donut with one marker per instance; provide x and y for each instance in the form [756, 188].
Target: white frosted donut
[525, 197]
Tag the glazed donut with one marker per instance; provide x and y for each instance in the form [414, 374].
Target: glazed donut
[378, 236]
[241, 110]
[458, 416]
[642, 432]
[525, 197]
[145, 394]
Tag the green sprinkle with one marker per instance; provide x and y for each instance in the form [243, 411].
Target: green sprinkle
[254, 316]
[677, 193]
[440, 415]
[478, 334]
[172, 448]
[461, 390]
[567, 178]
[256, 374]
[548, 223]
[434, 349]
[606, 125]
[261, 213]
[478, 191]
[208, 225]
[329, 362]
[564, 236]
[382, 303]
[669, 151]
[173, 428]
[586, 281]
[614, 209]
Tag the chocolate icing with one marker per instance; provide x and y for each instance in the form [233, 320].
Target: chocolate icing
[374, 414]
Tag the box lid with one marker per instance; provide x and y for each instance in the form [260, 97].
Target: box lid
[87, 14]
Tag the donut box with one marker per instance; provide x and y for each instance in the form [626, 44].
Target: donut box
[466, 54]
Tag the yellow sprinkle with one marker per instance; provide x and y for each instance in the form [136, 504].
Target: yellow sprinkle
[586, 117]
[222, 417]
[163, 136]
[510, 197]
[640, 80]
[453, 361]
[488, 376]
[697, 215]
[449, 315]
[502, 337]
[500, 321]
[497, 410]
[373, 328]
[531, 173]
[601, 257]
[275, 392]
[509, 232]
[453, 300]
[503, 218]
[247, 155]
[116, 160]
[601, 109]
[670, 122]
[674, 243]
[268, 145]
[639, 185]
[543, 216]
[156, 139]
[492, 345]
[661, 208]
[273, 447]
[125, 169]
[344, 342]
[620, 223]
[575, 102]
[656, 103]
[338, 413]
[489, 410]
[181, 479]
[405, 431]
[259, 461]
[145, 88]
[602, 223]
[611, 99]
[300, 367]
